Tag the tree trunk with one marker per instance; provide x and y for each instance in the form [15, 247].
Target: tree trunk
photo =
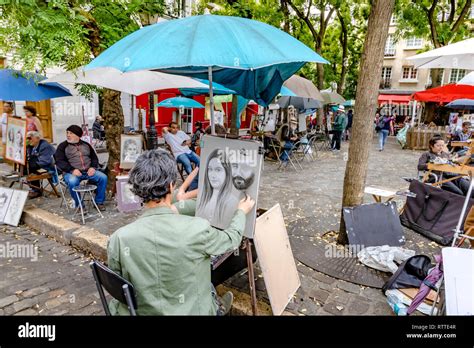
[320, 70]
[344, 42]
[233, 116]
[113, 124]
[366, 103]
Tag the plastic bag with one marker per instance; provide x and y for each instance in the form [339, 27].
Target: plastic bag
[402, 136]
[384, 258]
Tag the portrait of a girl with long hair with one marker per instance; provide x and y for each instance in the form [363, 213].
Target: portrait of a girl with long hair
[217, 203]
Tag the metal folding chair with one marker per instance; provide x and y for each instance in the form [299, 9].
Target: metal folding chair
[117, 286]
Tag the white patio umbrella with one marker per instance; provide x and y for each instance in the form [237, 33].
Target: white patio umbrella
[135, 82]
[467, 80]
[303, 88]
[459, 55]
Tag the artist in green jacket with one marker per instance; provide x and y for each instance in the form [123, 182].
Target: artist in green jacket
[166, 255]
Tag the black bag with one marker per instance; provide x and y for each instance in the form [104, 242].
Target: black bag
[410, 274]
[434, 212]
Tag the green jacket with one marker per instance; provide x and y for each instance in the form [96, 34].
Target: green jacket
[167, 258]
[340, 122]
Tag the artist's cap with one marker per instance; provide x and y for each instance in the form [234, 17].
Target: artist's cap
[75, 129]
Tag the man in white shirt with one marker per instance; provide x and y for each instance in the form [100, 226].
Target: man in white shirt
[7, 111]
[179, 143]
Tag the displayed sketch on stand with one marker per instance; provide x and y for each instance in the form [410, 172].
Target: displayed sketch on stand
[15, 208]
[130, 149]
[230, 171]
[16, 140]
[127, 201]
[11, 205]
[5, 197]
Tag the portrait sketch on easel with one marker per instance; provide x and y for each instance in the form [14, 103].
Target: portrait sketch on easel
[16, 140]
[230, 170]
[130, 149]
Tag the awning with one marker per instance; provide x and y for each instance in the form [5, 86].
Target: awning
[445, 94]
[394, 98]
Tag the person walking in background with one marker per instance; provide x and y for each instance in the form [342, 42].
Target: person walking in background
[349, 124]
[383, 128]
[340, 123]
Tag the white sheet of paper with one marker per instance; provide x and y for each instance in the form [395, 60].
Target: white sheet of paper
[15, 208]
[458, 265]
[276, 259]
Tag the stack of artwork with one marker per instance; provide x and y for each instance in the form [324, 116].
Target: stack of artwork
[11, 205]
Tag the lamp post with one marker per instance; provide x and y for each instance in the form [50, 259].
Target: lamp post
[151, 130]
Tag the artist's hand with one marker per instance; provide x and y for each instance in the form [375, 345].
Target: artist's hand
[246, 204]
[182, 194]
[91, 171]
[76, 172]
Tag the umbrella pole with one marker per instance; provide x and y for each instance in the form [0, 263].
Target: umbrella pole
[211, 100]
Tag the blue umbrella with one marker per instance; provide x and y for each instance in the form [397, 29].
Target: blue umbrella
[465, 104]
[286, 92]
[180, 102]
[15, 85]
[250, 57]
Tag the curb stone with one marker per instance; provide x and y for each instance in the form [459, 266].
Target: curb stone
[67, 232]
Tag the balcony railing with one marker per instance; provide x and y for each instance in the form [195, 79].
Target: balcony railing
[390, 52]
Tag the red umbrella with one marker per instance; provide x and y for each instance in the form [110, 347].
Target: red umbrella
[445, 94]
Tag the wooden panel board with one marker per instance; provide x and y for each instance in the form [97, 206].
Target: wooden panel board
[276, 259]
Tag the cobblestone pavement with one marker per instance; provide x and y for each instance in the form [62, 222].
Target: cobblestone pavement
[316, 191]
[39, 276]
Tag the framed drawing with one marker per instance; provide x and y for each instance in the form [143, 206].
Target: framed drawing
[16, 140]
[5, 198]
[230, 170]
[131, 146]
[15, 208]
[126, 200]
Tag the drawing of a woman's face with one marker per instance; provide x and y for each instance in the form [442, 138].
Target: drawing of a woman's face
[216, 173]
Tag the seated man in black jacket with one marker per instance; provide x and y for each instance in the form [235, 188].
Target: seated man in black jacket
[40, 157]
[78, 161]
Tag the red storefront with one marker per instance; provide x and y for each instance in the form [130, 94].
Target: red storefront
[166, 115]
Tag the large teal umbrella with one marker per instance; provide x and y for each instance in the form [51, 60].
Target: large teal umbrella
[180, 102]
[250, 57]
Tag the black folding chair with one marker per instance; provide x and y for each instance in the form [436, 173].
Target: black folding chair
[117, 286]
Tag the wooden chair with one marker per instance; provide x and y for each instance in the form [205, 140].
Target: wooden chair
[40, 177]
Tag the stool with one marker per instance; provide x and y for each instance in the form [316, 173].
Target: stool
[380, 193]
[84, 189]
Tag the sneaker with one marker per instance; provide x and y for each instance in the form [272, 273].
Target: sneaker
[101, 207]
[226, 303]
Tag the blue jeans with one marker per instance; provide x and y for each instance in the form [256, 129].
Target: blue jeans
[186, 159]
[383, 134]
[286, 151]
[99, 179]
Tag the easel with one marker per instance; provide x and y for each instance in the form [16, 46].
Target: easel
[247, 245]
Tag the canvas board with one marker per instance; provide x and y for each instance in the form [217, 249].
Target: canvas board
[229, 170]
[127, 201]
[15, 208]
[16, 140]
[131, 146]
[276, 259]
[5, 198]
[458, 266]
